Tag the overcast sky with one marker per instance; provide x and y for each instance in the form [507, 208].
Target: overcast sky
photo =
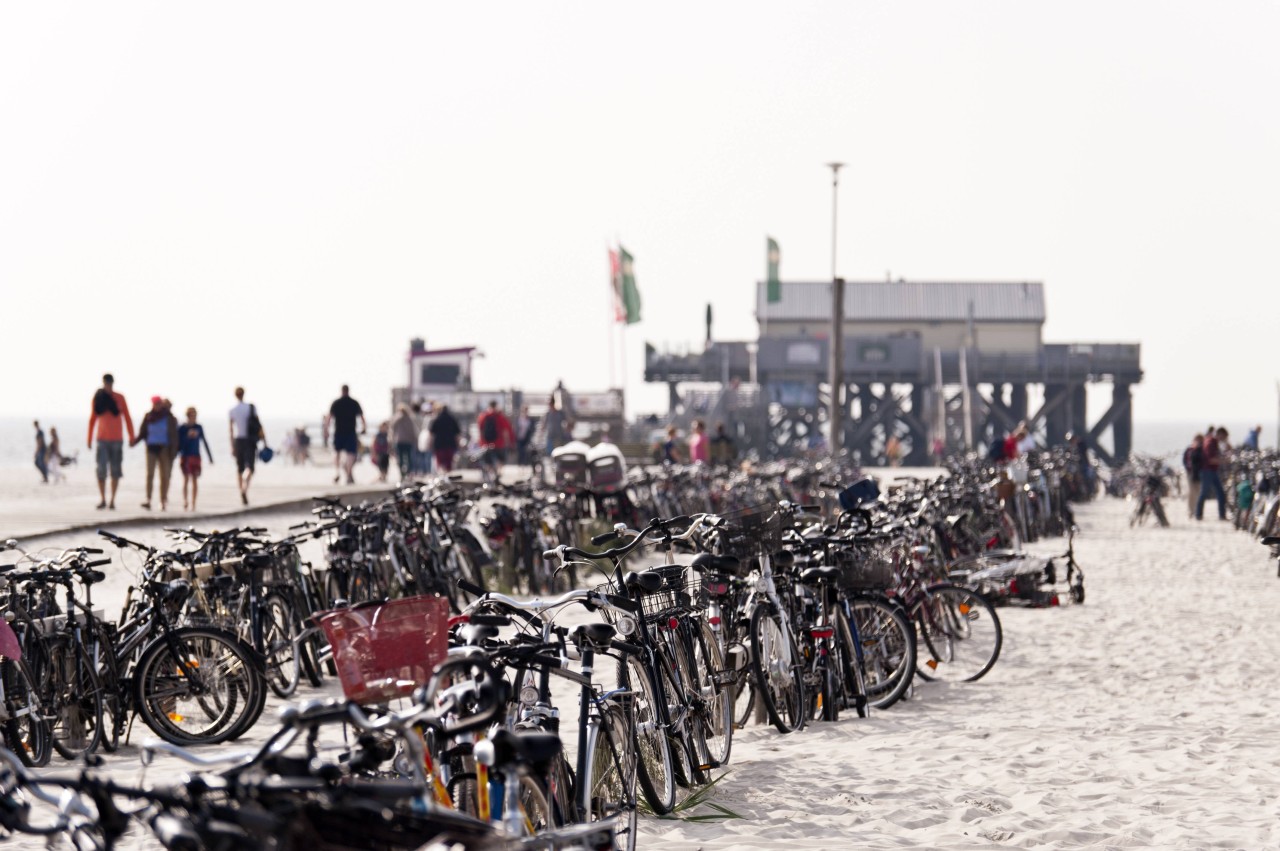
[281, 195]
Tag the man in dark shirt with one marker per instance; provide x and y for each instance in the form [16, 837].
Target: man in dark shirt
[1210, 483]
[444, 431]
[341, 423]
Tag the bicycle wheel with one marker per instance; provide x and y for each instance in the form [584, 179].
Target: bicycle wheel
[26, 731]
[73, 699]
[283, 668]
[744, 698]
[684, 760]
[1158, 508]
[198, 686]
[610, 793]
[853, 684]
[777, 667]
[961, 632]
[888, 649]
[654, 771]
[714, 709]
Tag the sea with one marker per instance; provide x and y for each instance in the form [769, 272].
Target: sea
[17, 437]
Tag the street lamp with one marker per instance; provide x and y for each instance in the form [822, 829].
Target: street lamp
[835, 410]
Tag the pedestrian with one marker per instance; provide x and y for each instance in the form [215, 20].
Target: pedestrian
[110, 413]
[1251, 439]
[341, 422]
[444, 431]
[699, 445]
[404, 435]
[496, 437]
[245, 428]
[42, 452]
[524, 426]
[553, 426]
[938, 449]
[424, 437]
[159, 429]
[722, 448]
[893, 450]
[1210, 482]
[190, 437]
[671, 447]
[53, 457]
[380, 450]
[1192, 462]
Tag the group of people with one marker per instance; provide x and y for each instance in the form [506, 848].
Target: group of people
[49, 457]
[699, 448]
[1202, 460]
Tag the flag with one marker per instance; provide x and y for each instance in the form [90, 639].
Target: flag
[615, 282]
[630, 295]
[773, 287]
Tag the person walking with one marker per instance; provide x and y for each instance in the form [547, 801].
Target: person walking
[404, 435]
[1252, 437]
[53, 457]
[444, 431]
[1192, 462]
[42, 452]
[722, 449]
[553, 426]
[699, 445]
[380, 450]
[671, 448]
[110, 414]
[1210, 482]
[159, 429]
[524, 426]
[190, 438]
[496, 435]
[341, 423]
[245, 429]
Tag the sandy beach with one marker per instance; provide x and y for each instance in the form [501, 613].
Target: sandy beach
[1141, 719]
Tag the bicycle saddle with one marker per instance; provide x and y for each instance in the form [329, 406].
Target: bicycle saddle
[475, 634]
[594, 635]
[257, 561]
[344, 544]
[1271, 540]
[819, 574]
[645, 582]
[783, 558]
[524, 746]
[715, 564]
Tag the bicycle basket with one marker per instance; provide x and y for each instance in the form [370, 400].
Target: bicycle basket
[681, 590]
[751, 531]
[867, 568]
[385, 650]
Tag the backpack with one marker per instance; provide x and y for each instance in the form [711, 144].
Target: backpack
[995, 452]
[489, 428]
[1195, 459]
[253, 429]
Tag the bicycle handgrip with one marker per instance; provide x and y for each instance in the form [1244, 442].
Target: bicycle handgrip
[488, 620]
[551, 553]
[624, 603]
[811, 507]
[630, 649]
[603, 538]
[544, 661]
[102, 562]
[90, 550]
[471, 587]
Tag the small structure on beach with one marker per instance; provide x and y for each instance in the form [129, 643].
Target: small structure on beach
[925, 362]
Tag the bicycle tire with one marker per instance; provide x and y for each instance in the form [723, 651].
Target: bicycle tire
[73, 697]
[852, 678]
[281, 664]
[610, 791]
[115, 710]
[888, 648]
[26, 730]
[684, 764]
[953, 627]
[779, 677]
[655, 772]
[1158, 509]
[715, 711]
[220, 686]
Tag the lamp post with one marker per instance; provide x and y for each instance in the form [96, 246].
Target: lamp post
[835, 411]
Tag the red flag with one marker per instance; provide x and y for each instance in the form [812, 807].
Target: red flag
[615, 281]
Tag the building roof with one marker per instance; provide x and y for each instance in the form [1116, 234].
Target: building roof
[422, 353]
[906, 301]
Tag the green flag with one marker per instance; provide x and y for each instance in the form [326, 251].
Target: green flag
[773, 289]
[630, 295]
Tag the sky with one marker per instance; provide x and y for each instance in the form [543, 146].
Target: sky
[194, 196]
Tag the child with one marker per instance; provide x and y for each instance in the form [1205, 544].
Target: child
[53, 457]
[190, 436]
[381, 450]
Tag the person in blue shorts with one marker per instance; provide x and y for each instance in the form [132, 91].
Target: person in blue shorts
[341, 423]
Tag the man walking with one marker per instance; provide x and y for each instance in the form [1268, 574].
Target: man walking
[110, 413]
[444, 438]
[341, 423]
[42, 452]
[246, 430]
[496, 435]
[553, 426]
[1209, 479]
[404, 435]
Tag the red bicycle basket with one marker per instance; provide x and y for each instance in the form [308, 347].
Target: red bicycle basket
[385, 650]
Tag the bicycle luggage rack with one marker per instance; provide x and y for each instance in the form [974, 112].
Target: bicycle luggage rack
[56, 623]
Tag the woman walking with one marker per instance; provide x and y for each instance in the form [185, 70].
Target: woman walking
[160, 431]
[53, 456]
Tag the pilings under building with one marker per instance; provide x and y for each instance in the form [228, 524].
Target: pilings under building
[959, 363]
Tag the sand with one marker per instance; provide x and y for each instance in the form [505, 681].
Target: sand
[1142, 719]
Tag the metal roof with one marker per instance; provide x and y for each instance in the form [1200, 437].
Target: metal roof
[907, 301]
